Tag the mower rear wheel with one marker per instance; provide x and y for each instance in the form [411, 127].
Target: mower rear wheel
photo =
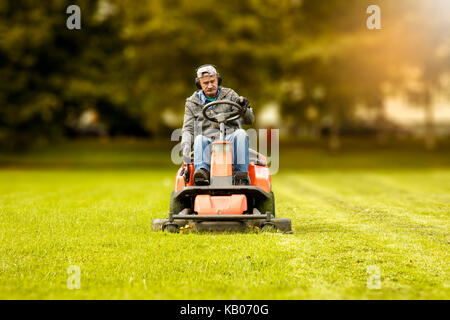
[175, 204]
[266, 205]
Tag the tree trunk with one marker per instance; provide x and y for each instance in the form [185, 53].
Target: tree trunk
[382, 135]
[335, 140]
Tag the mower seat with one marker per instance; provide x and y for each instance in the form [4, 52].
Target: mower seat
[254, 156]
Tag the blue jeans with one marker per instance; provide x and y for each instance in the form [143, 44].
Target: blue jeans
[239, 147]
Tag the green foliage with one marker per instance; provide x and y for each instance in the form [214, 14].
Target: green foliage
[50, 73]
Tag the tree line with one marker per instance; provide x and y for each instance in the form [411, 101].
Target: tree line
[133, 60]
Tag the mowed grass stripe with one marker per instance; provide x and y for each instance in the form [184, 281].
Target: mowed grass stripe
[370, 200]
[333, 222]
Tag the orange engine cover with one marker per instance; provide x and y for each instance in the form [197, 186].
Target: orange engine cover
[234, 204]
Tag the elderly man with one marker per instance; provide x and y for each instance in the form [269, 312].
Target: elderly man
[201, 132]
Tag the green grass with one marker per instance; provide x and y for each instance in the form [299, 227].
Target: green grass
[344, 218]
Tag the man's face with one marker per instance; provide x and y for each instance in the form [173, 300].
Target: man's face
[209, 85]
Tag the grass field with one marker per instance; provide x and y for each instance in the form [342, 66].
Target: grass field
[384, 209]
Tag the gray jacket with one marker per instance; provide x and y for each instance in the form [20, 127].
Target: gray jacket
[194, 123]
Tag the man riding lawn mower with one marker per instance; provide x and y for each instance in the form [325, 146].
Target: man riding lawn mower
[228, 185]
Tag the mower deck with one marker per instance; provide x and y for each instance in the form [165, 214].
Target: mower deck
[237, 223]
[283, 225]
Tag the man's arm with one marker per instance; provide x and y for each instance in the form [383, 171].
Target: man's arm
[187, 132]
[249, 117]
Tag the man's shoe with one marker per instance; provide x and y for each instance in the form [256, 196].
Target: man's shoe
[201, 177]
[241, 178]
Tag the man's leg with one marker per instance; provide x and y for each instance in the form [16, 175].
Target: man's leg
[202, 159]
[240, 144]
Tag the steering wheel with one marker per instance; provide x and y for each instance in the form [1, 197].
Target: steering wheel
[227, 116]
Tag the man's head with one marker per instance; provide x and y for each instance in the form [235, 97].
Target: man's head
[208, 79]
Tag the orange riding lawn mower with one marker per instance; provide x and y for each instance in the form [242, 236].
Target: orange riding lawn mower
[221, 205]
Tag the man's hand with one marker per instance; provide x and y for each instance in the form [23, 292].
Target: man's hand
[243, 101]
[186, 154]
[185, 173]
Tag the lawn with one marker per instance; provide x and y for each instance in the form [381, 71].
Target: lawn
[386, 211]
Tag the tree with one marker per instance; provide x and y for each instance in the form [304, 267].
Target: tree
[50, 72]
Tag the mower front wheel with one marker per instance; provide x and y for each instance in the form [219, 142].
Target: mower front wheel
[269, 227]
[171, 227]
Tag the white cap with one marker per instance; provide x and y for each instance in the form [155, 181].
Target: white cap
[206, 69]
